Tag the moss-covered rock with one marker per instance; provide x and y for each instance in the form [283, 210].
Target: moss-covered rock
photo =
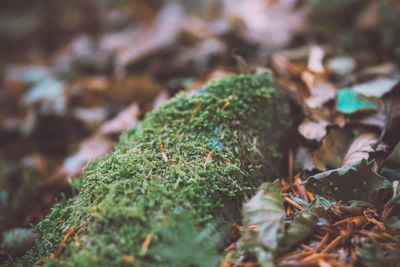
[158, 184]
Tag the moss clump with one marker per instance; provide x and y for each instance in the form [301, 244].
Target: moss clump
[133, 193]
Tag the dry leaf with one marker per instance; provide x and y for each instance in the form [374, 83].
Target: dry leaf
[320, 93]
[313, 130]
[125, 120]
[315, 59]
[333, 149]
[377, 87]
[340, 148]
[360, 148]
[271, 25]
[93, 147]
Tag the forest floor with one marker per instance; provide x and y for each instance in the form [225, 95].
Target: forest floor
[77, 74]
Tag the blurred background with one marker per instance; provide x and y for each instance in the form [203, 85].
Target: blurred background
[76, 74]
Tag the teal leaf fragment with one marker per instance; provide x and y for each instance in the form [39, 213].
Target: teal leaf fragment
[265, 210]
[357, 181]
[348, 101]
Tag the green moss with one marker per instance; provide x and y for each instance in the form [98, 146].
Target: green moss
[136, 192]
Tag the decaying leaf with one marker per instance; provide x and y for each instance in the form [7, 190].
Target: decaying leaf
[333, 149]
[377, 87]
[303, 160]
[93, 147]
[125, 120]
[320, 90]
[266, 211]
[352, 182]
[360, 148]
[341, 65]
[313, 130]
[389, 111]
[340, 148]
[320, 93]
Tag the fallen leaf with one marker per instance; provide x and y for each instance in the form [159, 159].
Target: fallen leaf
[303, 160]
[315, 59]
[320, 93]
[266, 211]
[377, 87]
[320, 90]
[255, 13]
[352, 182]
[148, 41]
[348, 101]
[313, 130]
[305, 222]
[125, 120]
[341, 65]
[360, 148]
[389, 111]
[91, 148]
[333, 149]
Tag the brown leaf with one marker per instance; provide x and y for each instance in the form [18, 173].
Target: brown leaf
[333, 149]
[268, 24]
[313, 130]
[389, 110]
[360, 148]
[320, 93]
[93, 147]
[315, 59]
[320, 90]
[125, 120]
[340, 148]
[377, 87]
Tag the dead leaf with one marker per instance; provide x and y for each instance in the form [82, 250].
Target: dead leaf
[125, 120]
[389, 110]
[360, 148]
[268, 24]
[320, 90]
[147, 41]
[320, 93]
[333, 149]
[93, 147]
[343, 147]
[303, 160]
[341, 65]
[315, 59]
[142, 88]
[313, 130]
[92, 117]
[377, 87]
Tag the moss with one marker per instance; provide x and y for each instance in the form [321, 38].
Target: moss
[133, 192]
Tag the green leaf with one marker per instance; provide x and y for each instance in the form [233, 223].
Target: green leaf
[373, 254]
[265, 210]
[305, 222]
[352, 182]
[348, 101]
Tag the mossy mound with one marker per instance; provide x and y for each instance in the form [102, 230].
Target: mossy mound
[156, 182]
